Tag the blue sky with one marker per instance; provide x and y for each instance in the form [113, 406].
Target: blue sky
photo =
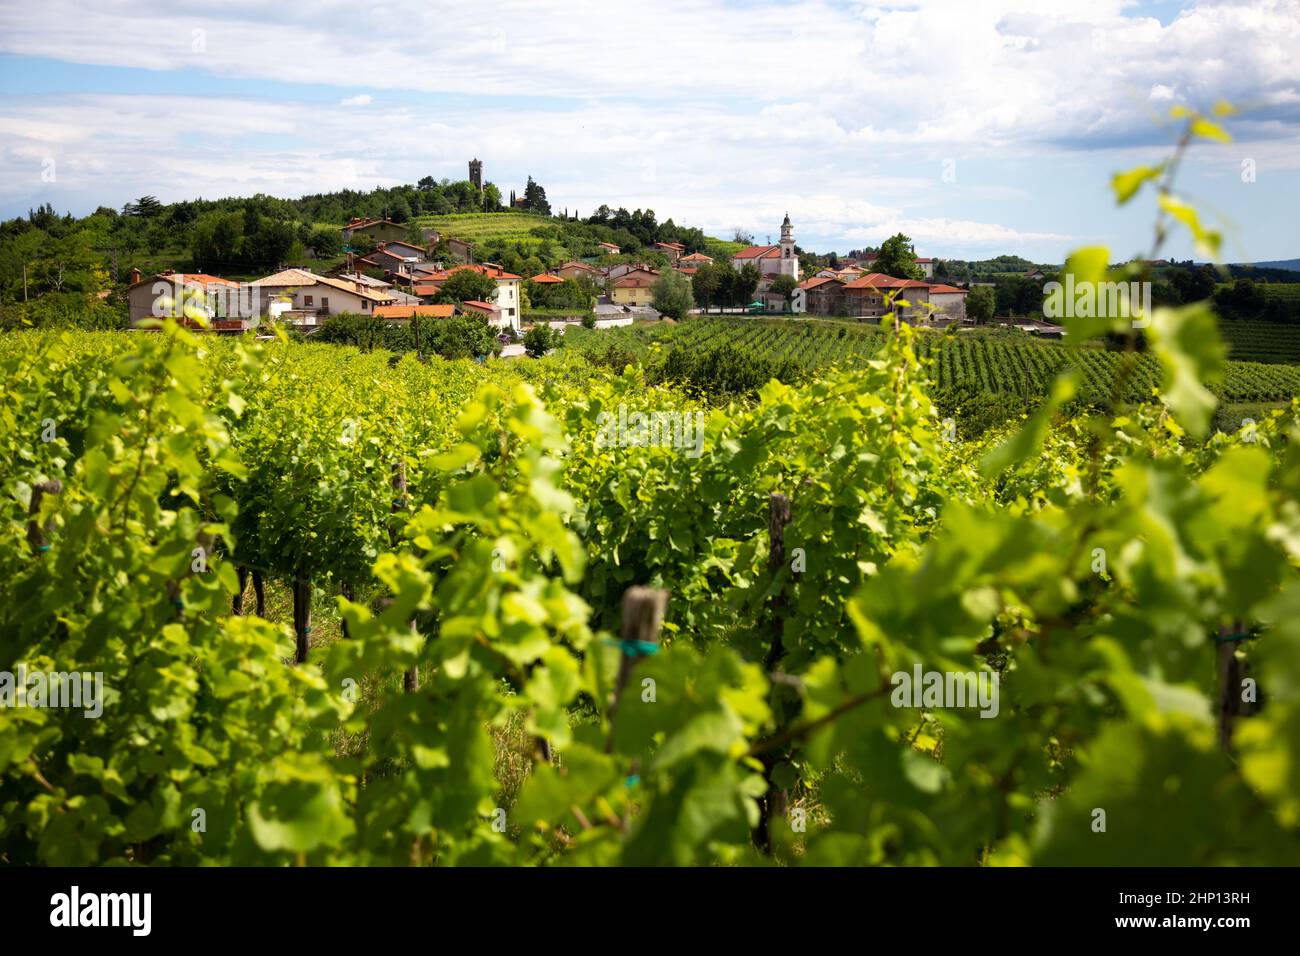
[978, 127]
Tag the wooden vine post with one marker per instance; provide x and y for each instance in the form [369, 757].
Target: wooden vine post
[774, 801]
[302, 614]
[1231, 672]
[349, 594]
[259, 593]
[643, 618]
[36, 532]
[237, 602]
[411, 679]
[778, 516]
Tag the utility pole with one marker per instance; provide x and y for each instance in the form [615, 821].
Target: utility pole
[24, 281]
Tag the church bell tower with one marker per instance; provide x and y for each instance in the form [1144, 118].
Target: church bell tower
[789, 261]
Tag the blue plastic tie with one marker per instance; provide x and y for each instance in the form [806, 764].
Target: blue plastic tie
[1229, 638]
[636, 648]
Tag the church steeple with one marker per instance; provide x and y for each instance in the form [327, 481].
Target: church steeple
[789, 261]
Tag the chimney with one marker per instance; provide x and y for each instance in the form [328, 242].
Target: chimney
[135, 276]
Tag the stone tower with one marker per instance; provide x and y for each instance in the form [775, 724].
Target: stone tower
[476, 173]
[789, 261]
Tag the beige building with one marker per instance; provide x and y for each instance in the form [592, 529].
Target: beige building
[307, 299]
[949, 302]
[574, 269]
[224, 306]
[633, 289]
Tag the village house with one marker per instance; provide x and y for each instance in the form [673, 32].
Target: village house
[624, 268]
[695, 260]
[459, 249]
[824, 295]
[673, 250]
[868, 296]
[506, 300]
[306, 299]
[380, 230]
[574, 269]
[397, 257]
[771, 261]
[545, 278]
[486, 309]
[949, 302]
[609, 248]
[222, 303]
[634, 288]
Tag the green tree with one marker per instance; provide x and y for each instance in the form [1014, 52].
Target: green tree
[897, 258]
[491, 197]
[461, 336]
[980, 304]
[268, 245]
[705, 283]
[783, 286]
[1193, 285]
[467, 285]
[71, 264]
[743, 284]
[215, 241]
[671, 295]
[540, 339]
[535, 198]
[145, 207]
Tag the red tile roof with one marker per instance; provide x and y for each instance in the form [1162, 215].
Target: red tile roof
[480, 305]
[947, 289]
[188, 279]
[878, 280]
[758, 252]
[407, 311]
[363, 223]
[493, 272]
[817, 281]
[546, 278]
[697, 257]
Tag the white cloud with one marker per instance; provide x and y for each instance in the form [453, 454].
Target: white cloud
[717, 115]
[1001, 70]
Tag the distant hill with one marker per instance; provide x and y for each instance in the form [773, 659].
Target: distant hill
[1291, 265]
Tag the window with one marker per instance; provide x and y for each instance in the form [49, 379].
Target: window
[324, 302]
[306, 300]
[510, 312]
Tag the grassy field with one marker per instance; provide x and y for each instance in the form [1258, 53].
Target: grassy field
[483, 227]
[984, 362]
[1271, 342]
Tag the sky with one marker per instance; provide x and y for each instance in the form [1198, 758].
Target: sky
[977, 127]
